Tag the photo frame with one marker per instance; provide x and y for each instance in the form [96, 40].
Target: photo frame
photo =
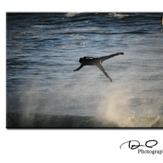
[120, 81]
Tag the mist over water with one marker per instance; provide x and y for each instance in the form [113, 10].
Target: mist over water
[44, 49]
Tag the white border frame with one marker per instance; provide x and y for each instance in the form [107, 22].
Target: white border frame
[72, 146]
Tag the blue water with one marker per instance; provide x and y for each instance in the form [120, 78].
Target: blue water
[43, 49]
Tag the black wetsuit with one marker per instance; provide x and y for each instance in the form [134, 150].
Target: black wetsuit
[97, 61]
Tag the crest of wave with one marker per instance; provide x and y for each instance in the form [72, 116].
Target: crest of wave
[71, 14]
[117, 15]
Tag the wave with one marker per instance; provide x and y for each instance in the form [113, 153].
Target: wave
[100, 32]
[118, 15]
[17, 120]
[71, 14]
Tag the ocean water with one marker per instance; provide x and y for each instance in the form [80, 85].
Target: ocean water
[43, 49]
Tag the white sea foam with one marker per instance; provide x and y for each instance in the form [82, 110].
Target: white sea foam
[117, 15]
[71, 14]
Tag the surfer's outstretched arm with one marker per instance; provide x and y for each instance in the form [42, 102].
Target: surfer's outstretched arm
[110, 56]
[79, 67]
[103, 70]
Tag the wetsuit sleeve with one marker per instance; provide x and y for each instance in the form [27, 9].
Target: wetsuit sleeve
[79, 67]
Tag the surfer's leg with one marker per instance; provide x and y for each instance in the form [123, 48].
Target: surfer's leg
[107, 75]
[103, 70]
[104, 58]
[110, 56]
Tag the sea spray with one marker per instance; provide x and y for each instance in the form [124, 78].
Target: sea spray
[115, 108]
[69, 97]
[126, 106]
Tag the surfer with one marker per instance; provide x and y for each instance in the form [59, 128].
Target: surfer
[97, 62]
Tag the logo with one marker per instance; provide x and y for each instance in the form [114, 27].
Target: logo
[145, 148]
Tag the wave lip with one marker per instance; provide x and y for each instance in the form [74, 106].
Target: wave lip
[117, 15]
[16, 120]
[71, 14]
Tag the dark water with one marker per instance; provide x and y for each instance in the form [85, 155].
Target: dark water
[43, 49]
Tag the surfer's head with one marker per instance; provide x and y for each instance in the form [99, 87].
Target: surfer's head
[82, 60]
